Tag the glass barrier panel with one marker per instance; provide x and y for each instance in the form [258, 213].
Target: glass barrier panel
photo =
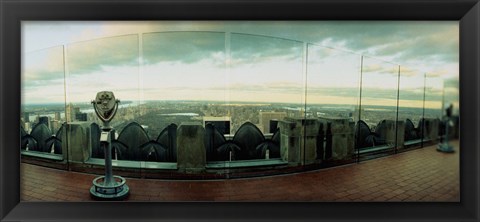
[43, 107]
[183, 85]
[451, 94]
[451, 97]
[107, 64]
[410, 109]
[265, 89]
[376, 128]
[331, 100]
[434, 109]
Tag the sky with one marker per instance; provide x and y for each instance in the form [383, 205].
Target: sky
[267, 61]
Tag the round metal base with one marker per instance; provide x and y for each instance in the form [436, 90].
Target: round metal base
[445, 148]
[118, 191]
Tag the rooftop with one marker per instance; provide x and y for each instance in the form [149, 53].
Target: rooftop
[418, 175]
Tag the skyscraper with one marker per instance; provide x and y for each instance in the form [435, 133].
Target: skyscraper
[57, 116]
[26, 117]
[81, 116]
[265, 118]
[222, 123]
[71, 112]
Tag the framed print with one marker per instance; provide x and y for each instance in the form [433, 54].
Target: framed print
[239, 110]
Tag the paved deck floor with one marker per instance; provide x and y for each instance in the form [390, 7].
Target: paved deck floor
[419, 175]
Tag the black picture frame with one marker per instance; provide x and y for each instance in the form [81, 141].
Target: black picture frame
[13, 12]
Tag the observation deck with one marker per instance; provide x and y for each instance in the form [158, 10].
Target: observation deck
[422, 174]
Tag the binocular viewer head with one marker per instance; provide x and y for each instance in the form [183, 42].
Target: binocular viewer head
[105, 105]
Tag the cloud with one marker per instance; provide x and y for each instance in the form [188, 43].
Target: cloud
[184, 47]
[451, 82]
[407, 72]
[89, 56]
[404, 42]
[380, 68]
[44, 64]
[272, 87]
[371, 93]
[260, 53]
[246, 48]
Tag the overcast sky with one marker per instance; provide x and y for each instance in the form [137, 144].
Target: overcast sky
[242, 65]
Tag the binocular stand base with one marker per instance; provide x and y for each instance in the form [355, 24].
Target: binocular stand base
[117, 190]
[445, 148]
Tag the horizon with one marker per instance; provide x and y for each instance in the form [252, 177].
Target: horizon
[233, 103]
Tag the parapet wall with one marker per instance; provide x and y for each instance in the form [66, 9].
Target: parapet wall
[303, 142]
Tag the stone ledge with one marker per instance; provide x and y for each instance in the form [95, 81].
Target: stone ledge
[134, 164]
[49, 156]
[245, 163]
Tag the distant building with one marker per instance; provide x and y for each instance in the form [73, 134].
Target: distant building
[222, 123]
[273, 125]
[44, 120]
[27, 127]
[57, 116]
[145, 127]
[26, 117]
[356, 113]
[54, 126]
[70, 113]
[295, 113]
[81, 116]
[266, 117]
[76, 110]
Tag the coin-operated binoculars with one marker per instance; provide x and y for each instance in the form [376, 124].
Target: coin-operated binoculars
[107, 187]
[445, 147]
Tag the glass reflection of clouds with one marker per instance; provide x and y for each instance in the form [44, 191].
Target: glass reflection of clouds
[379, 82]
[433, 96]
[265, 69]
[411, 85]
[109, 64]
[332, 76]
[43, 76]
[183, 66]
[220, 66]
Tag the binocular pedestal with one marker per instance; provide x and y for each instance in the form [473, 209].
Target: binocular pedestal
[108, 187]
[445, 147]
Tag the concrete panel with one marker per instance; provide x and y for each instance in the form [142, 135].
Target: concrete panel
[298, 140]
[290, 142]
[400, 134]
[432, 130]
[342, 133]
[78, 137]
[191, 153]
[308, 146]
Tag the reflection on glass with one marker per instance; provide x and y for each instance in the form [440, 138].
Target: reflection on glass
[108, 64]
[433, 107]
[265, 80]
[43, 101]
[183, 80]
[433, 96]
[239, 88]
[184, 66]
[411, 94]
[332, 79]
[410, 110]
[378, 105]
[451, 94]
[332, 98]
